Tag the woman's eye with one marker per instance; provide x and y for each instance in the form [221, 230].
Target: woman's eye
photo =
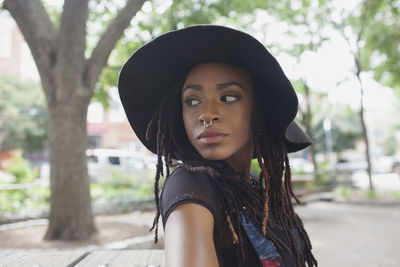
[192, 102]
[229, 98]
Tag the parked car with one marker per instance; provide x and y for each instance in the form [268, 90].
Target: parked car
[101, 161]
[301, 165]
[381, 164]
[345, 165]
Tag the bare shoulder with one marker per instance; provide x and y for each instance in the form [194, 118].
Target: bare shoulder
[189, 237]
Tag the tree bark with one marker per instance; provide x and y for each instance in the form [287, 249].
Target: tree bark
[68, 80]
[357, 62]
[363, 125]
[71, 215]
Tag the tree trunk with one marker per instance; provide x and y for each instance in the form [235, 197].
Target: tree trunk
[364, 129]
[68, 80]
[363, 125]
[365, 136]
[71, 215]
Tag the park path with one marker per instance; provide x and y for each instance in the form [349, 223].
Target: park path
[342, 234]
[349, 235]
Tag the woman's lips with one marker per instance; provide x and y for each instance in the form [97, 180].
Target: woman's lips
[213, 139]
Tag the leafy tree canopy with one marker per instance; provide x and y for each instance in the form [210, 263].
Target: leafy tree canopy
[375, 30]
[24, 115]
[382, 39]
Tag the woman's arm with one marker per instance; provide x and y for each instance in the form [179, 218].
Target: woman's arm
[189, 237]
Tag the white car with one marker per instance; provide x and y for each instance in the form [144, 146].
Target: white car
[101, 161]
[301, 165]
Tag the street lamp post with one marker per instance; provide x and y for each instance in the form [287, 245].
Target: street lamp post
[328, 140]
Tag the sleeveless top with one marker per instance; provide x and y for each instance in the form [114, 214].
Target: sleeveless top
[183, 187]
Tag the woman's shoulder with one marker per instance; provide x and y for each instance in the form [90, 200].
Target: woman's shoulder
[187, 183]
[184, 186]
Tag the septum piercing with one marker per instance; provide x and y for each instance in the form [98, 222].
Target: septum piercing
[207, 124]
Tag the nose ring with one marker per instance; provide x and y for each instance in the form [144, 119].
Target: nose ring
[207, 124]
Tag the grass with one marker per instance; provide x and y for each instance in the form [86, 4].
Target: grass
[371, 194]
[396, 195]
[343, 191]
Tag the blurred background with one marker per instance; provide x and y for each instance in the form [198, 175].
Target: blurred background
[343, 58]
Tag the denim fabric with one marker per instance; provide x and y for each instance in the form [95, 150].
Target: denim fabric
[265, 249]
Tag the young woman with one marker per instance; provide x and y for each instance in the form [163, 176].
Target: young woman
[207, 100]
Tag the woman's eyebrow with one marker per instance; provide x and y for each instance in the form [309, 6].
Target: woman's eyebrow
[227, 84]
[199, 87]
[193, 86]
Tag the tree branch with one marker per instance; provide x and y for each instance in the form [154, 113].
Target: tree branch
[71, 45]
[103, 49]
[38, 31]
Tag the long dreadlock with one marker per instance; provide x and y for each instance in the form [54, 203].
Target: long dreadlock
[271, 195]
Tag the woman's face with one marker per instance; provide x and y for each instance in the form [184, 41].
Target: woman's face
[221, 93]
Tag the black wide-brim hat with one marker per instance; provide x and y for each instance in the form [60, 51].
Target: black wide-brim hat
[153, 69]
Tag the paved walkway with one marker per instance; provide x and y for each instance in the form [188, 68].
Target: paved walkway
[353, 235]
[114, 232]
[342, 234]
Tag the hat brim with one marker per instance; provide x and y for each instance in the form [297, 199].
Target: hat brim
[295, 138]
[152, 70]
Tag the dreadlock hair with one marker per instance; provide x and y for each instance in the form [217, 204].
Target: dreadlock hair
[270, 196]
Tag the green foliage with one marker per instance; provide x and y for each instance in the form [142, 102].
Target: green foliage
[22, 199]
[121, 187]
[391, 144]
[377, 28]
[345, 128]
[382, 38]
[117, 189]
[396, 195]
[344, 191]
[24, 115]
[371, 194]
[20, 169]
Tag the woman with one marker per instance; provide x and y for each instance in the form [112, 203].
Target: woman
[207, 99]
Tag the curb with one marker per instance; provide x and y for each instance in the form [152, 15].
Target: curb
[370, 202]
[144, 205]
[331, 197]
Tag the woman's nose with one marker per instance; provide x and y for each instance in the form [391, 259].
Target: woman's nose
[210, 113]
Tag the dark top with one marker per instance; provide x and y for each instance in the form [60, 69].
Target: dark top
[183, 186]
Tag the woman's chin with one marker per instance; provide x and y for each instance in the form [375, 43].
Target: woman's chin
[214, 156]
